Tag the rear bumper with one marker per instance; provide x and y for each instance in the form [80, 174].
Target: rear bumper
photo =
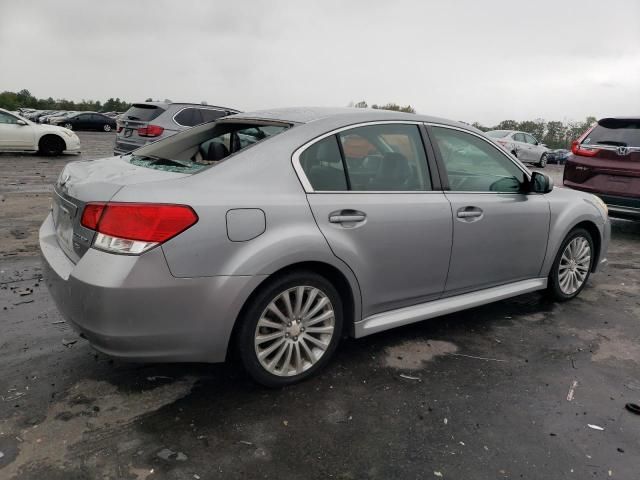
[131, 307]
[72, 144]
[619, 206]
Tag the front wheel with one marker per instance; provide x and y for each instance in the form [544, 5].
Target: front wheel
[51, 145]
[106, 127]
[572, 266]
[68, 126]
[543, 161]
[290, 329]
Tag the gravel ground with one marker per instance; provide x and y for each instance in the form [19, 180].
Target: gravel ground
[503, 391]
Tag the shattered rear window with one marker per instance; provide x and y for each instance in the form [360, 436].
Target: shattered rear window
[147, 162]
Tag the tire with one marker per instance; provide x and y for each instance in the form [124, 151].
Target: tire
[543, 161]
[289, 356]
[106, 127]
[51, 145]
[514, 153]
[580, 270]
[68, 126]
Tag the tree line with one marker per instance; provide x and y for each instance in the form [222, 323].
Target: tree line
[24, 99]
[555, 134]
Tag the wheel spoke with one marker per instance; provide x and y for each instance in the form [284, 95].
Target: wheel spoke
[298, 358]
[298, 304]
[310, 299]
[323, 301]
[327, 329]
[265, 322]
[274, 308]
[274, 361]
[310, 355]
[265, 353]
[316, 342]
[260, 339]
[287, 304]
[287, 360]
[321, 318]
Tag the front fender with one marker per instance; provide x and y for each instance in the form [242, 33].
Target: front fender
[569, 208]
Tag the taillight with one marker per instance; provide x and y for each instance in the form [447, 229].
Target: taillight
[134, 228]
[583, 150]
[150, 131]
[119, 128]
[577, 147]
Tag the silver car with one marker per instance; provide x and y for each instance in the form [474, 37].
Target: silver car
[148, 122]
[276, 233]
[522, 145]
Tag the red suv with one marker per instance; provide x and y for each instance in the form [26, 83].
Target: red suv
[605, 161]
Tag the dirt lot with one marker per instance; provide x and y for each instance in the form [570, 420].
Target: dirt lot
[503, 391]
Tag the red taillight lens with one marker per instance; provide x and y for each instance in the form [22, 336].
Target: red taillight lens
[91, 215]
[583, 150]
[150, 131]
[133, 228]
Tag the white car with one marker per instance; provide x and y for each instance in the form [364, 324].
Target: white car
[522, 145]
[17, 134]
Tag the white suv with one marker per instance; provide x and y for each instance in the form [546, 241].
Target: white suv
[522, 145]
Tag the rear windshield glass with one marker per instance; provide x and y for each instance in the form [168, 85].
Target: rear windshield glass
[617, 132]
[498, 133]
[143, 112]
[203, 146]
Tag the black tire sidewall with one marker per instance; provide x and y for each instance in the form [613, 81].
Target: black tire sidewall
[51, 146]
[543, 161]
[251, 314]
[554, 287]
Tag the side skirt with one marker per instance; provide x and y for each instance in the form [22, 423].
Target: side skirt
[424, 311]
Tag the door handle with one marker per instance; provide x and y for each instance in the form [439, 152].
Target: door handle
[346, 216]
[469, 212]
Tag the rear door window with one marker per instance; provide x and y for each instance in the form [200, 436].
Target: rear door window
[209, 115]
[519, 137]
[189, 117]
[616, 132]
[388, 157]
[530, 140]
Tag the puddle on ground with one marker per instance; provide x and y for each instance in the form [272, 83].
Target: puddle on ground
[612, 343]
[411, 355]
[86, 420]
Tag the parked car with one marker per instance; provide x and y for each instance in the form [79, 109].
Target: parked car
[522, 145]
[263, 233]
[87, 121]
[605, 161]
[17, 134]
[558, 156]
[151, 121]
[55, 118]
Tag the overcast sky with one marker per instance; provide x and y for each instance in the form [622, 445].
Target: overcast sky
[462, 59]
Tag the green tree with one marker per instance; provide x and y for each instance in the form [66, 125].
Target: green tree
[507, 125]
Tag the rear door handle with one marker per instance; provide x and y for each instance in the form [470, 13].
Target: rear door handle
[346, 216]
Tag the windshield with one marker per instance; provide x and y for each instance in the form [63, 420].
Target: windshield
[617, 132]
[498, 133]
[203, 146]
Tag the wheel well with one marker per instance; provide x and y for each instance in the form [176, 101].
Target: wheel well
[329, 272]
[52, 136]
[595, 236]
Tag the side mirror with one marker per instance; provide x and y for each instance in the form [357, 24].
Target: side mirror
[21, 122]
[540, 183]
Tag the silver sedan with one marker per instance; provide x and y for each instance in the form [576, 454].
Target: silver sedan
[276, 233]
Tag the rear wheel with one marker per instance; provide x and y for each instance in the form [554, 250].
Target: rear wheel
[51, 145]
[106, 127]
[290, 329]
[572, 266]
[543, 161]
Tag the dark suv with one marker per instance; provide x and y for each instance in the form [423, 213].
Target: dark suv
[605, 161]
[150, 121]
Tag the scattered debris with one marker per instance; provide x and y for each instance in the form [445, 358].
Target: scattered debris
[633, 408]
[572, 389]
[196, 476]
[633, 386]
[13, 397]
[69, 343]
[245, 442]
[446, 421]
[168, 454]
[595, 427]
[57, 322]
[158, 377]
[1, 454]
[23, 302]
[409, 377]
[23, 291]
[477, 358]
[285, 423]
[438, 474]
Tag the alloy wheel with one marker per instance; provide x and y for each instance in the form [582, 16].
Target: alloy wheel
[574, 265]
[107, 127]
[294, 331]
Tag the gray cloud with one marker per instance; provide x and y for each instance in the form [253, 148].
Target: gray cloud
[465, 59]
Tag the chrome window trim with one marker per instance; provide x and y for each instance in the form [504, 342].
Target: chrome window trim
[499, 148]
[197, 107]
[308, 188]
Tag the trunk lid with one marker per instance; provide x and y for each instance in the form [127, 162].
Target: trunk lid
[93, 181]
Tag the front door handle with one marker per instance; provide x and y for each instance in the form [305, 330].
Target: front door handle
[469, 213]
[347, 216]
